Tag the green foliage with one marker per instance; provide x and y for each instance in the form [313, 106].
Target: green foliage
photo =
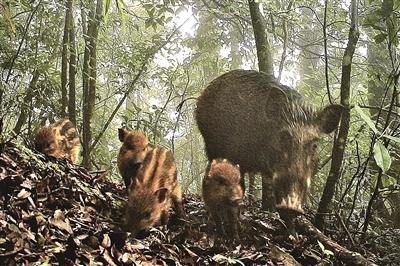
[382, 156]
[366, 119]
[327, 253]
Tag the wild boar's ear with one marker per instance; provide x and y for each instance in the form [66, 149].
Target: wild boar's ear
[161, 194]
[329, 117]
[121, 134]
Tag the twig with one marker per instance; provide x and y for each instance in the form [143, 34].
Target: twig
[326, 53]
[345, 228]
[347, 256]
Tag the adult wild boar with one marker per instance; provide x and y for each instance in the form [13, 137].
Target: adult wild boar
[252, 120]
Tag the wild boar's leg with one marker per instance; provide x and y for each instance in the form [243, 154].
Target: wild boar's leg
[268, 198]
[178, 202]
[232, 224]
[242, 182]
[218, 223]
[164, 217]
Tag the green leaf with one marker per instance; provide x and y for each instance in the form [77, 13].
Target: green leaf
[148, 23]
[328, 253]
[387, 8]
[325, 251]
[106, 8]
[380, 37]
[382, 156]
[388, 181]
[392, 30]
[392, 138]
[321, 246]
[366, 118]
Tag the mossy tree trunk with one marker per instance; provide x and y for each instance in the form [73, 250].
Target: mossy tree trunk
[264, 54]
[89, 77]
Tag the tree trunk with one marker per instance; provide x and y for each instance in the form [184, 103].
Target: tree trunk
[340, 141]
[264, 55]
[235, 51]
[89, 81]
[86, 28]
[72, 64]
[25, 105]
[64, 65]
[252, 190]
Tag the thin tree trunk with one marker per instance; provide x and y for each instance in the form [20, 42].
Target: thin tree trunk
[25, 105]
[235, 49]
[72, 65]
[89, 100]
[252, 190]
[264, 55]
[86, 27]
[64, 65]
[340, 141]
[285, 42]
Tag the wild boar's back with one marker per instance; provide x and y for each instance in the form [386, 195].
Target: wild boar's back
[241, 113]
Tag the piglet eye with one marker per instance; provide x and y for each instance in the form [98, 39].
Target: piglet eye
[147, 215]
[314, 146]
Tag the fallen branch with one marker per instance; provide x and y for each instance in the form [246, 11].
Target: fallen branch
[349, 257]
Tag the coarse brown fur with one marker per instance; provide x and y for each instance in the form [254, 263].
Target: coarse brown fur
[60, 140]
[151, 192]
[223, 196]
[132, 153]
[252, 120]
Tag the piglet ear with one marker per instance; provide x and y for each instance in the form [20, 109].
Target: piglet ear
[122, 133]
[329, 117]
[161, 194]
[237, 201]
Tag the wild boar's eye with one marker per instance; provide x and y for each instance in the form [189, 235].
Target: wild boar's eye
[146, 215]
[313, 146]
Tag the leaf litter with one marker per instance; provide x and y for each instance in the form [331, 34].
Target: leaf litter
[56, 213]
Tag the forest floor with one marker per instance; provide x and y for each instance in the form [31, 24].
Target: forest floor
[55, 213]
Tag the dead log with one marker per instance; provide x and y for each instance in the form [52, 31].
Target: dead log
[349, 257]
